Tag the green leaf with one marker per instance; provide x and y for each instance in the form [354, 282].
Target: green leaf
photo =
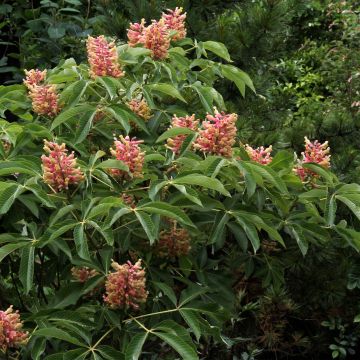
[120, 115]
[192, 319]
[111, 85]
[346, 199]
[72, 113]
[218, 227]
[217, 48]
[190, 293]
[203, 181]
[84, 127]
[167, 290]
[26, 271]
[9, 248]
[8, 194]
[250, 231]
[113, 164]
[300, 239]
[147, 224]
[53, 332]
[330, 209]
[324, 173]
[205, 95]
[73, 93]
[167, 210]
[239, 77]
[134, 348]
[166, 89]
[179, 345]
[187, 193]
[174, 132]
[56, 31]
[81, 242]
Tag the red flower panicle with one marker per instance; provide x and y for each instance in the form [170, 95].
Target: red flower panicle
[10, 329]
[315, 152]
[174, 242]
[34, 77]
[260, 155]
[174, 144]
[140, 108]
[156, 38]
[175, 20]
[126, 287]
[45, 100]
[83, 274]
[44, 97]
[103, 58]
[128, 151]
[59, 169]
[217, 135]
[135, 33]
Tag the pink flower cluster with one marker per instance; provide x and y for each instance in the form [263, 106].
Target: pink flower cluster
[260, 155]
[175, 20]
[126, 287]
[103, 58]
[140, 108]
[315, 152]
[83, 274]
[156, 37]
[174, 144]
[174, 242]
[34, 77]
[10, 329]
[44, 97]
[59, 169]
[128, 151]
[217, 135]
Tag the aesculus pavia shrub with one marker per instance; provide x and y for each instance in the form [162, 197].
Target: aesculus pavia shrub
[116, 234]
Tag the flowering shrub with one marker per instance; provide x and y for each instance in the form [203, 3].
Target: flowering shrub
[164, 222]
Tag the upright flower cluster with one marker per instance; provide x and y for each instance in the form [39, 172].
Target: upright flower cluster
[128, 151]
[140, 108]
[34, 77]
[10, 329]
[174, 144]
[126, 287]
[217, 135]
[103, 58]
[174, 242]
[59, 169]
[83, 274]
[44, 97]
[315, 152]
[260, 155]
[135, 33]
[175, 20]
[156, 37]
